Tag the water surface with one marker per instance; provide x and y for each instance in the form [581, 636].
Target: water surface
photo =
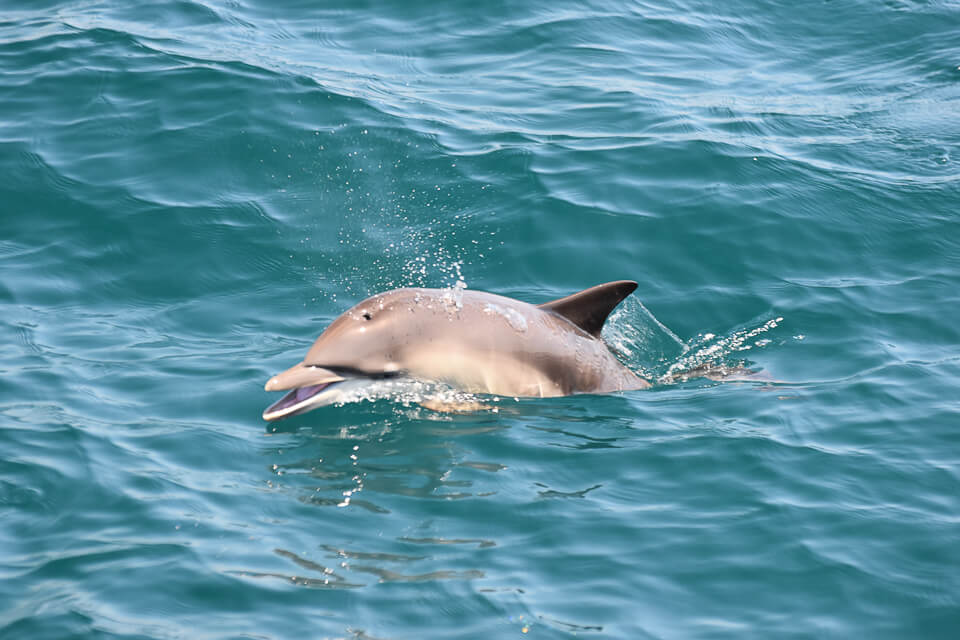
[192, 190]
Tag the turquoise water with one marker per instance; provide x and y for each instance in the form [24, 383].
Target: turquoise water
[190, 191]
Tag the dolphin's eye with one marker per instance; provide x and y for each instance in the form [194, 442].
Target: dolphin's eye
[367, 316]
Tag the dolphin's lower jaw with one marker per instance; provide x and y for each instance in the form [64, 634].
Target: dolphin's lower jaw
[296, 401]
[310, 397]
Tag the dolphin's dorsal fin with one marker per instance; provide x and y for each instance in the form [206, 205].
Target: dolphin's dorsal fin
[589, 308]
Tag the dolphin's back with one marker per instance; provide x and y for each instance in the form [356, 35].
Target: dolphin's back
[487, 343]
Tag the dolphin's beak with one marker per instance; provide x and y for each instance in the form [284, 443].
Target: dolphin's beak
[305, 382]
[301, 375]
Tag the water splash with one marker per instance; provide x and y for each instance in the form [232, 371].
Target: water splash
[453, 296]
[407, 392]
[643, 343]
[649, 347]
[709, 356]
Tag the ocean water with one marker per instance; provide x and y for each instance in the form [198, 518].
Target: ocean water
[191, 190]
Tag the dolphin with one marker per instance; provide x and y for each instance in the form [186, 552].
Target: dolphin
[474, 341]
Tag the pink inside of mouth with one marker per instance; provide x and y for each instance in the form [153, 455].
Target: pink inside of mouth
[305, 392]
[296, 396]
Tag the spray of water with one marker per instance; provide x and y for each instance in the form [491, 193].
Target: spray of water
[647, 346]
[407, 392]
[715, 357]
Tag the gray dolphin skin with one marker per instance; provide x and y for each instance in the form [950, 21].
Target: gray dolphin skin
[474, 341]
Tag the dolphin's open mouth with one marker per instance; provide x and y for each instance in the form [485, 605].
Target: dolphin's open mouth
[296, 401]
[311, 386]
